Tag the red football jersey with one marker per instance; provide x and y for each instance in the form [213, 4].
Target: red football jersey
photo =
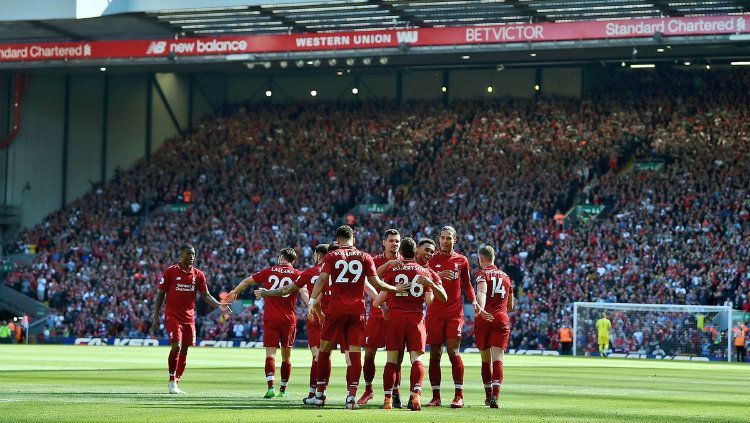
[181, 287]
[307, 280]
[379, 260]
[459, 265]
[411, 301]
[348, 268]
[278, 308]
[499, 288]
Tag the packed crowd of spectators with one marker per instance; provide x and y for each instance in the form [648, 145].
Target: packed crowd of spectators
[262, 178]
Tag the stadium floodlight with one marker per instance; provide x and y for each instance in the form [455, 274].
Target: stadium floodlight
[536, 87]
[366, 61]
[267, 65]
[103, 69]
[269, 93]
[466, 57]
[313, 93]
[316, 63]
[680, 332]
[642, 66]
[489, 89]
[355, 90]
[622, 64]
[300, 63]
[332, 62]
[444, 88]
[250, 65]
[660, 50]
[740, 63]
[283, 64]
[349, 62]
[687, 63]
[708, 67]
[532, 54]
[383, 60]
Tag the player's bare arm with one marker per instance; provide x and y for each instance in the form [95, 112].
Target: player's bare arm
[438, 290]
[379, 284]
[314, 303]
[390, 264]
[380, 299]
[232, 296]
[511, 300]
[304, 295]
[157, 311]
[278, 292]
[481, 300]
[208, 298]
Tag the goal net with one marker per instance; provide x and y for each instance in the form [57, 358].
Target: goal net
[682, 332]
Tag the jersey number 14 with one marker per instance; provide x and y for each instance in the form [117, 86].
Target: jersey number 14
[498, 287]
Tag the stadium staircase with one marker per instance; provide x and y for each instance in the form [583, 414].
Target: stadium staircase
[20, 304]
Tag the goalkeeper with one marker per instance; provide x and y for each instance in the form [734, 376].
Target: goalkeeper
[602, 327]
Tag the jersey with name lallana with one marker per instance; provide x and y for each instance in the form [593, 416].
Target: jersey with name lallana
[278, 309]
[348, 268]
[180, 287]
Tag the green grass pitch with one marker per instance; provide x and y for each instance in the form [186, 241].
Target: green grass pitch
[118, 384]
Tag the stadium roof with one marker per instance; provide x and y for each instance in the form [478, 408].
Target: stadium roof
[50, 20]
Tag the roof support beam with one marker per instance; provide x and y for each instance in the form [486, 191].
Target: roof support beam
[408, 17]
[665, 8]
[528, 10]
[295, 26]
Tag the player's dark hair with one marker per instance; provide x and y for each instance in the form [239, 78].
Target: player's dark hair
[344, 232]
[390, 232]
[450, 230]
[424, 241]
[408, 248]
[186, 247]
[333, 247]
[288, 254]
[321, 249]
[487, 252]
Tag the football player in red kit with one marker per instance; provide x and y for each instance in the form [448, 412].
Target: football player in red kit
[346, 269]
[406, 319]
[279, 316]
[492, 334]
[179, 285]
[304, 284]
[445, 320]
[376, 324]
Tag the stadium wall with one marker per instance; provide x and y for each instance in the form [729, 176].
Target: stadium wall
[43, 169]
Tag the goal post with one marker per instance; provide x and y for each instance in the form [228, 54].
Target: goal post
[655, 330]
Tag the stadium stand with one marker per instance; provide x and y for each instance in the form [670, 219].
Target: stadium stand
[262, 178]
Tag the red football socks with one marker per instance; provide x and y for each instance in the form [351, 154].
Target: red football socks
[354, 372]
[270, 371]
[172, 364]
[497, 378]
[286, 371]
[487, 378]
[368, 370]
[181, 363]
[389, 379]
[324, 371]
[417, 376]
[314, 375]
[435, 377]
[457, 366]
